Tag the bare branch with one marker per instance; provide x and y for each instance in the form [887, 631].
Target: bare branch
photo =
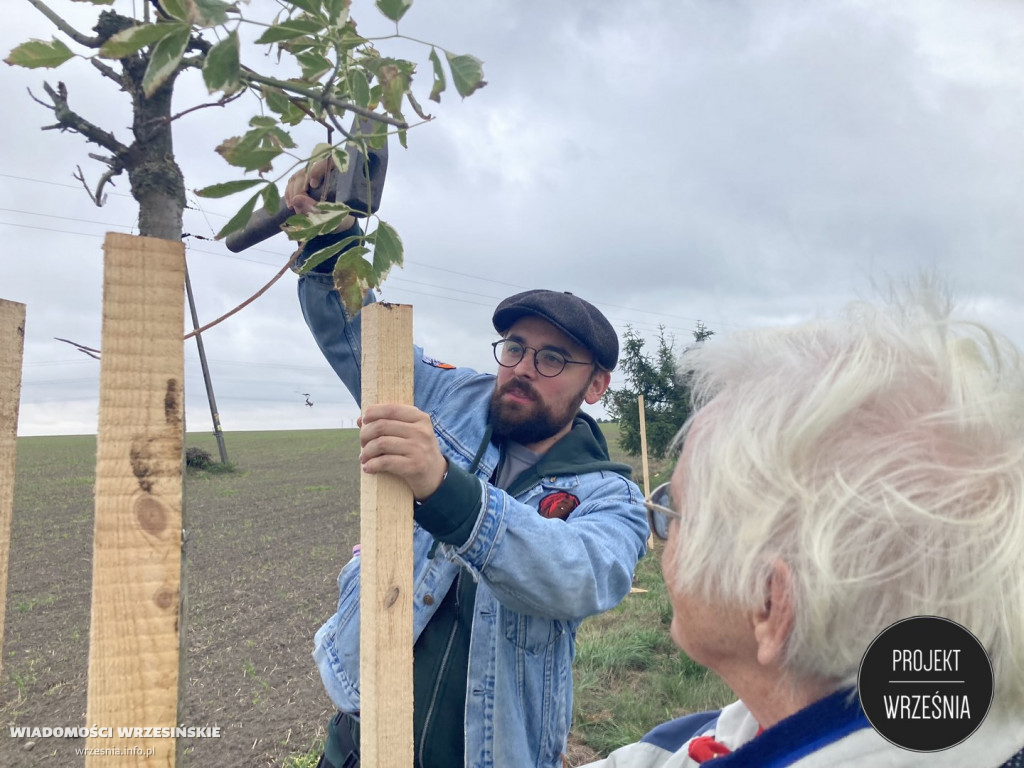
[97, 197]
[107, 71]
[67, 120]
[63, 26]
[80, 347]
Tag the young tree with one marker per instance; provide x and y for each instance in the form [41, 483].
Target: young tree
[332, 70]
[666, 395]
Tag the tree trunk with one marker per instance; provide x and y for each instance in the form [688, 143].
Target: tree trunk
[156, 180]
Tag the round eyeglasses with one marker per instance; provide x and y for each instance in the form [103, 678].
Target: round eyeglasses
[548, 362]
[660, 513]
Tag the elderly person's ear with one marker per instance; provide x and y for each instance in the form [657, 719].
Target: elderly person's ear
[774, 620]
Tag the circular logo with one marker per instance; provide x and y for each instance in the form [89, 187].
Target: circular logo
[925, 683]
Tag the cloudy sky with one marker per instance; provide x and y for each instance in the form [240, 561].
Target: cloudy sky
[738, 162]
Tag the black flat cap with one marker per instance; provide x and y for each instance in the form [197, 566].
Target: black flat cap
[578, 319]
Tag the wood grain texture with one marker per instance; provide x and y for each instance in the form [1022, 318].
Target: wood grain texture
[12, 349]
[385, 641]
[133, 640]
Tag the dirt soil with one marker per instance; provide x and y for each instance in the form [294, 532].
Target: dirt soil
[264, 546]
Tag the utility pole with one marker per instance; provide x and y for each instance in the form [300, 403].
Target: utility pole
[206, 372]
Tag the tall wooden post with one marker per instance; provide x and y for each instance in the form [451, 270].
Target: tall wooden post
[133, 638]
[385, 640]
[12, 347]
[643, 457]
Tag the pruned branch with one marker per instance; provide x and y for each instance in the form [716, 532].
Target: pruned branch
[98, 198]
[68, 120]
[81, 347]
[63, 26]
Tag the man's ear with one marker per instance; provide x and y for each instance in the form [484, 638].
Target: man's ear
[598, 385]
[773, 622]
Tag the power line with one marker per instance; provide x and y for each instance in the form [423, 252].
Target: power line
[649, 325]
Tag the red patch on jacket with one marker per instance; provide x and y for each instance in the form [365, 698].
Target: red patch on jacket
[558, 505]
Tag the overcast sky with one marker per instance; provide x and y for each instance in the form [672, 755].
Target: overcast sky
[742, 163]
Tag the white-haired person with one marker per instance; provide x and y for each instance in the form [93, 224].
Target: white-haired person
[837, 477]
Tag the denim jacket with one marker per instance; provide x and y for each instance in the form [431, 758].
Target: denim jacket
[537, 578]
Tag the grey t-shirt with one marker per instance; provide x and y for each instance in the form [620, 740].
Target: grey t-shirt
[518, 459]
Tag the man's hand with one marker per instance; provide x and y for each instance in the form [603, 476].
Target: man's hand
[400, 439]
[296, 193]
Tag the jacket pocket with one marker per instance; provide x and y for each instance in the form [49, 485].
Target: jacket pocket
[531, 633]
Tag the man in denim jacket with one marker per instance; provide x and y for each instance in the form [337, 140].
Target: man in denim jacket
[523, 528]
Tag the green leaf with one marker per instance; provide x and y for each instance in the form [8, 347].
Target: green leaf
[228, 188]
[337, 11]
[314, 64]
[440, 82]
[311, 7]
[360, 87]
[467, 73]
[128, 41]
[39, 53]
[340, 158]
[164, 59]
[394, 9]
[271, 198]
[248, 155]
[240, 219]
[388, 250]
[289, 30]
[177, 9]
[211, 13]
[222, 68]
[319, 257]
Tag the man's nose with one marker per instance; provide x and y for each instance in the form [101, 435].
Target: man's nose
[526, 368]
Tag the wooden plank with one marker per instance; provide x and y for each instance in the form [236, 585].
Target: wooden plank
[385, 639]
[643, 457]
[133, 638]
[12, 348]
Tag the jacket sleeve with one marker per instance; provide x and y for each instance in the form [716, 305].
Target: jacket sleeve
[555, 569]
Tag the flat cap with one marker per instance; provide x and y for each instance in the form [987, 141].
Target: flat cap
[578, 319]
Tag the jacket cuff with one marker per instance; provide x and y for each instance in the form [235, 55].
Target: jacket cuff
[450, 513]
[319, 242]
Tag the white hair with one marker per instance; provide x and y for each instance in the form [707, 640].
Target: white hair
[880, 455]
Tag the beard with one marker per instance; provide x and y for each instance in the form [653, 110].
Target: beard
[529, 423]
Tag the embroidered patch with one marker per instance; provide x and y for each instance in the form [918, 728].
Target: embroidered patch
[433, 362]
[558, 505]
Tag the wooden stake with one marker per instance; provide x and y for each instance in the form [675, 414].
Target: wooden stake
[12, 347]
[133, 638]
[643, 457]
[385, 640]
